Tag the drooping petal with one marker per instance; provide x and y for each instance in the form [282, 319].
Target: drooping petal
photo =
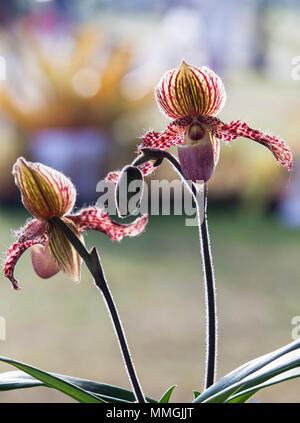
[229, 132]
[190, 91]
[65, 255]
[32, 234]
[93, 218]
[13, 255]
[45, 191]
[173, 134]
[43, 261]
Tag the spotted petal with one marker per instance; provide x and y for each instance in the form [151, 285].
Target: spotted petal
[229, 132]
[113, 176]
[173, 135]
[93, 218]
[189, 91]
[32, 234]
[45, 191]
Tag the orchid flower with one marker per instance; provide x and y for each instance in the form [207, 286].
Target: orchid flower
[47, 193]
[192, 97]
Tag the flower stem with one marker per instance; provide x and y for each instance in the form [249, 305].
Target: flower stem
[93, 263]
[158, 155]
[210, 293]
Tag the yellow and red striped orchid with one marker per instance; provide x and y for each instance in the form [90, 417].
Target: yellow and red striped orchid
[192, 97]
[47, 193]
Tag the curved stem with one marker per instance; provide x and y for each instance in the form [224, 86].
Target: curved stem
[156, 154]
[93, 263]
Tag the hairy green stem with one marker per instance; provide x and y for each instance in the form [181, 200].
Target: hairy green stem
[210, 292]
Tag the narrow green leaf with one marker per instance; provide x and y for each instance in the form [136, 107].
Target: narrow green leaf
[253, 373]
[48, 379]
[282, 377]
[109, 393]
[167, 395]
[241, 398]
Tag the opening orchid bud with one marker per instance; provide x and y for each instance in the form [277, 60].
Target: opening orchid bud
[129, 191]
[45, 191]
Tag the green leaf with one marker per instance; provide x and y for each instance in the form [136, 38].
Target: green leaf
[282, 377]
[241, 398]
[56, 382]
[167, 395]
[109, 393]
[196, 394]
[253, 373]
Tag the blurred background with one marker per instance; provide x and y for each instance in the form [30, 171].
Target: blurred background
[76, 92]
